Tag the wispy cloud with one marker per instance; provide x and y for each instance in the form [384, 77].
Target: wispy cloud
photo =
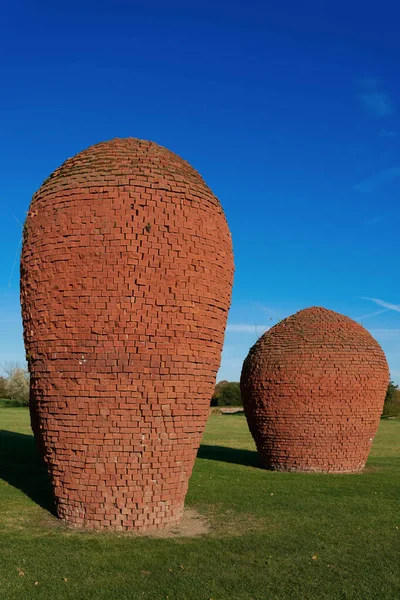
[245, 328]
[374, 314]
[387, 134]
[388, 305]
[371, 184]
[379, 103]
[374, 99]
[385, 333]
[374, 220]
[267, 309]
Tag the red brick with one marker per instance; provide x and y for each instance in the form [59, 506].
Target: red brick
[313, 389]
[125, 288]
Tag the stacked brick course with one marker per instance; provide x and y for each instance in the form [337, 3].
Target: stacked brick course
[313, 389]
[126, 277]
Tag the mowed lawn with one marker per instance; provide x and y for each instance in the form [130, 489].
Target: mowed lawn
[271, 535]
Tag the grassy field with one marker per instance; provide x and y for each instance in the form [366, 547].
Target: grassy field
[272, 535]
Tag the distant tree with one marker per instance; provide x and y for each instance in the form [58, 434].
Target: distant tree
[3, 388]
[227, 393]
[391, 391]
[10, 366]
[17, 383]
[391, 408]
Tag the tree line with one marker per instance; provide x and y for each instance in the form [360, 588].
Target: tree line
[15, 386]
[227, 393]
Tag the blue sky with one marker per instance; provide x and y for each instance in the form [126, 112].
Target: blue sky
[289, 110]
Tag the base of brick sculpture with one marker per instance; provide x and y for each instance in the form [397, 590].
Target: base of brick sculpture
[313, 389]
[126, 277]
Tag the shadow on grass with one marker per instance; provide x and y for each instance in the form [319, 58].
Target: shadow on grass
[22, 467]
[230, 455]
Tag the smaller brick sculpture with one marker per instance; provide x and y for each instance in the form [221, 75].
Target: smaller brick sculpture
[313, 389]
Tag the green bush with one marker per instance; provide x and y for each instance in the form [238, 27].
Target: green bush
[391, 408]
[227, 393]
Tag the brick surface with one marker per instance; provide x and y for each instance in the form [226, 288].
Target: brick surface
[126, 276]
[313, 388]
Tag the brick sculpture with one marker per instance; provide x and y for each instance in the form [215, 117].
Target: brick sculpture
[313, 389]
[126, 277]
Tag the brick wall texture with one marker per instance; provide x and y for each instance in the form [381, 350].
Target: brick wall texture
[126, 277]
[313, 389]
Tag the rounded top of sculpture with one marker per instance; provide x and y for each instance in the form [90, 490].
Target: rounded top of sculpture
[127, 162]
[318, 322]
[313, 335]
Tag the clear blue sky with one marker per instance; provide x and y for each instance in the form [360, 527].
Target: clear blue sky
[290, 111]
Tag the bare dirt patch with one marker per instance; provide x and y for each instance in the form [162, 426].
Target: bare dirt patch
[192, 524]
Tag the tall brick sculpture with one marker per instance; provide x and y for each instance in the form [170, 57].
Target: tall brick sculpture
[126, 277]
[313, 389]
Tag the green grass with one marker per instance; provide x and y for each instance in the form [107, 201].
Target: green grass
[265, 530]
